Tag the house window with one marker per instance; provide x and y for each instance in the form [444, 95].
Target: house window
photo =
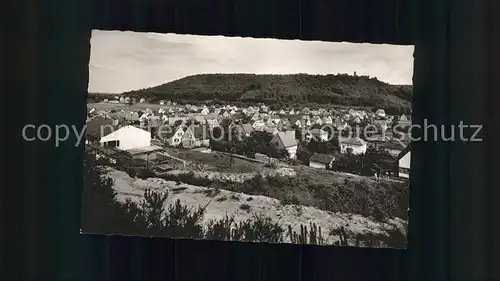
[112, 144]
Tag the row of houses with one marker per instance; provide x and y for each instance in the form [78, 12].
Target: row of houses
[180, 132]
[137, 140]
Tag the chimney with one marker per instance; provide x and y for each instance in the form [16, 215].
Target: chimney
[116, 122]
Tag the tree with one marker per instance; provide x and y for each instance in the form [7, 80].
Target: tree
[278, 153]
[303, 154]
[101, 212]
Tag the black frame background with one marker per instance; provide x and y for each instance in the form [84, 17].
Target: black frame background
[451, 200]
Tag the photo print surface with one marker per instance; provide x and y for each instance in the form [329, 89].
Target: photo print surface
[247, 139]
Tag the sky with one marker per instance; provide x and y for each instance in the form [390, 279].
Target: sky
[121, 61]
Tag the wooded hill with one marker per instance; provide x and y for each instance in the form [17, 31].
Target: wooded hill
[340, 89]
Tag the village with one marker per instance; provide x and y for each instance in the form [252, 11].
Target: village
[317, 138]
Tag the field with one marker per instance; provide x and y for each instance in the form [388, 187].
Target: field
[216, 161]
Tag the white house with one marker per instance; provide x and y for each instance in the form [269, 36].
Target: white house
[381, 124]
[125, 138]
[403, 121]
[286, 140]
[317, 120]
[258, 123]
[298, 123]
[212, 122]
[327, 120]
[318, 134]
[340, 124]
[196, 136]
[321, 161]
[404, 160]
[205, 111]
[380, 113]
[172, 135]
[143, 117]
[353, 145]
[393, 147]
[142, 100]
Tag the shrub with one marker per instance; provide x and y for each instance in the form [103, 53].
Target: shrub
[221, 199]
[290, 200]
[311, 236]
[256, 229]
[178, 189]
[259, 229]
[245, 207]
[271, 165]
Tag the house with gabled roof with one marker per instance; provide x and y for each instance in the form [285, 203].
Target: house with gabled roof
[321, 161]
[380, 113]
[244, 130]
[394, 147]
[318, 134]
[353, 145]
[286, 140]
[172, 135]
[374, 141]
[403, 121]
[381, 124]
[316, 120]
[196, 136]
[327, 120]
[212, 122]
[109, 134]
[205, 111]
[340, 124]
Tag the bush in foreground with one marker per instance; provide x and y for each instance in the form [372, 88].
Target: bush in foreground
[103, 213]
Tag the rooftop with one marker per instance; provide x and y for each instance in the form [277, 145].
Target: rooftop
[322, 158]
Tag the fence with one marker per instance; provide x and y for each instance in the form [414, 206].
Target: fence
[265, 159]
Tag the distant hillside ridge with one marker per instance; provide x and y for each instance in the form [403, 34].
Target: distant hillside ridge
[340, 89]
